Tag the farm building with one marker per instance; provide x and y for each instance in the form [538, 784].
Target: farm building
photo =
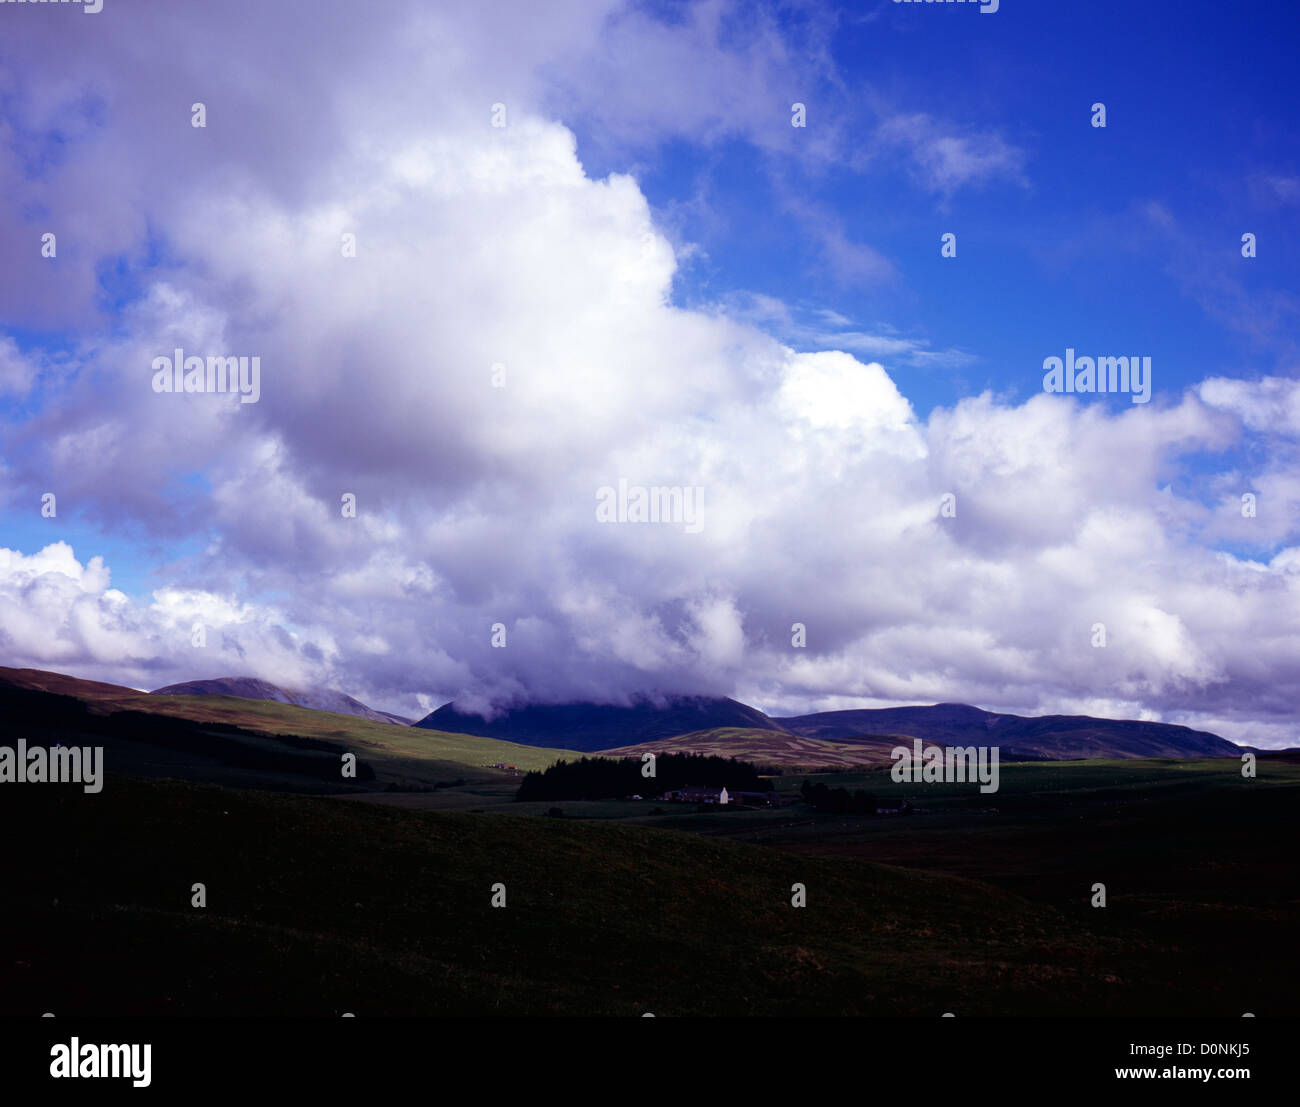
[755, 799]
[693, 793]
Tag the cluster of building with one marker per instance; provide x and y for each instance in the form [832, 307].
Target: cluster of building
[706, 794]
[723, 796]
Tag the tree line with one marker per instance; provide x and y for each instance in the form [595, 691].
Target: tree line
[838, 801]
[607, 778]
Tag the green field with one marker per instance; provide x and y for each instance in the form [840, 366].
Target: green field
[1039, 779]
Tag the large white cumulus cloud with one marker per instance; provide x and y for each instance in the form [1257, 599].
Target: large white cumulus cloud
[482, 247]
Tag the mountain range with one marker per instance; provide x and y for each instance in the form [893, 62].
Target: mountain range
[1019, 737]
[719, 724]
[595, 727]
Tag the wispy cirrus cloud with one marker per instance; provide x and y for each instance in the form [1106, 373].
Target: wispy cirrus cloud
[824, 329]
[944, 158]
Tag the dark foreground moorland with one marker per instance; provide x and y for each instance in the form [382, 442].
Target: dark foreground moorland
[324, 905]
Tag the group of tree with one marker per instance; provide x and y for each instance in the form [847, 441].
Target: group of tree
[610, 778]
[838, 801]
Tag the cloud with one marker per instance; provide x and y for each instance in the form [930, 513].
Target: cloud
[945, 160]
[1271, 404]
[58, 613]
[826, 329]
[485, 250]
[17, 372]
[1214, 278]
[1271, 190]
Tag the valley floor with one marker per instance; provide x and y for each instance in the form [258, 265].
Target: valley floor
[317, 906]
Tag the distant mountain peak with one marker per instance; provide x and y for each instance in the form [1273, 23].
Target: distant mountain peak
[254, 688]
[1056, 737]
[590, 726]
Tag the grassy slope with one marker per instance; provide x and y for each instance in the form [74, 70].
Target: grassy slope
[271, 718]
[318, 906]
[1195, 857]
[401, 741]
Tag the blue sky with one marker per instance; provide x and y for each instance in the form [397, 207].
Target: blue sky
[1201, 120]
[687, 291]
